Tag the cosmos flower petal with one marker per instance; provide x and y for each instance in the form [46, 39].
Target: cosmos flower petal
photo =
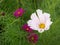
[47, 15]
[48, 23]
[42, 19]
[34, 17]
[41, 30]
[40, 16]
[39, 12]
[32, 24]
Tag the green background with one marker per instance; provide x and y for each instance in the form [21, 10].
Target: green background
[12, 34]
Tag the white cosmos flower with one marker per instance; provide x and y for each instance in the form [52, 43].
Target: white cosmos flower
[40, 21]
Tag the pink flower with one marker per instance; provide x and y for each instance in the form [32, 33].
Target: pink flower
[26, 28]
[33, 38]
[19, 12]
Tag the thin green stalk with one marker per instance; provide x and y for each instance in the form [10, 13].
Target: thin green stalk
[35, 4]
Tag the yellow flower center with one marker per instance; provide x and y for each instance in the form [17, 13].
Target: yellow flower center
[27, 28]
[32, 38]
[18, 12]
[42, 25]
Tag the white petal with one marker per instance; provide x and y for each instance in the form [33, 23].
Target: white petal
[41, 16]
[47, 16]
[48, 23]
[41, 30]
[32, 24]
[42, 19]
[39, 12]
[34, 16]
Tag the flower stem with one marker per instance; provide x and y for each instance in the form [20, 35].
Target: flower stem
[20, 4]
[35, 4]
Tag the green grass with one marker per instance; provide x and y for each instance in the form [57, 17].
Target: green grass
[14, 35]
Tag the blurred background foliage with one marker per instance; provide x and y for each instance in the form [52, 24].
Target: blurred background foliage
[10, 27]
